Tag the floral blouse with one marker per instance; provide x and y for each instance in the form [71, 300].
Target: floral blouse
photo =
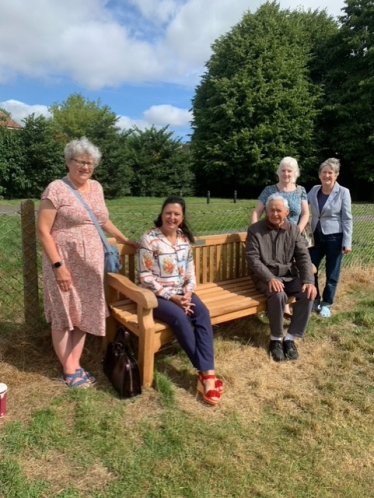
[164, 268]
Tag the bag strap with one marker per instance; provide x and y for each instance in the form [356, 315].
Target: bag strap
[92, 216]
[299, 190]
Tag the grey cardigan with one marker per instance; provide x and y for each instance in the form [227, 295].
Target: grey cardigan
[336, 215]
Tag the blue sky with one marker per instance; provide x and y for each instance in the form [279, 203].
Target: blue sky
[142, 58]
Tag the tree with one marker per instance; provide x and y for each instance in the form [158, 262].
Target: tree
[44, 154]
[256, 103]
[348, 118]
[161, 165]
[12, 159]
[78, 117]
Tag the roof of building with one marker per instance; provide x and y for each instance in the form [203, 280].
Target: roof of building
[8, 122]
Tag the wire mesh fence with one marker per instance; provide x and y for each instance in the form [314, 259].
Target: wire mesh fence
[20, 256]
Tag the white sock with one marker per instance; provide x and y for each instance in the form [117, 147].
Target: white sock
[272, 338]
[289, 337]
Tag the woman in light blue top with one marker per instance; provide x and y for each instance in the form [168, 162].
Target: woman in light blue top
[288, 172]
[332, 226]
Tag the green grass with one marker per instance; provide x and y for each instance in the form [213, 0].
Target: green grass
[301, 429]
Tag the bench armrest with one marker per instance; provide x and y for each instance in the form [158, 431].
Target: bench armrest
[143, 297]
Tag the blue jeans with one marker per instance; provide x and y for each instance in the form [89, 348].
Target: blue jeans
[330, 247]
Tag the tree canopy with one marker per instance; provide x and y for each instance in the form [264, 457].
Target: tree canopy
[256, 102]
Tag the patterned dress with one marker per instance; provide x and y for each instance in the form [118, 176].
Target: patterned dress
[294, 199]
[81, 250]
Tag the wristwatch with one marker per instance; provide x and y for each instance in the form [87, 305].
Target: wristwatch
[57, 265]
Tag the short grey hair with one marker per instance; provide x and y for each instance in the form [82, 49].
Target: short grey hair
[277, 197]
[80, 147]
[333, 163]
[290, 161]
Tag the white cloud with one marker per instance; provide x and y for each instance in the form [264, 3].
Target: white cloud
[20, 110]
[140, 41]
[162, 115]
[125, 123]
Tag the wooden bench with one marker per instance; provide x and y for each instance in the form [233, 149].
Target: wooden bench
[222, 284]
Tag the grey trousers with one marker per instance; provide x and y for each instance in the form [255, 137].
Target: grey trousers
[275, 307]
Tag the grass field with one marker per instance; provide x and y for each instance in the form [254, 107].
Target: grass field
[294, 430]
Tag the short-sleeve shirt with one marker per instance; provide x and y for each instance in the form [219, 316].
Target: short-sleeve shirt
[294, 199]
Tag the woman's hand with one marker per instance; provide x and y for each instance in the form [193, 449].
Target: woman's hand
[184, 302]
[63, 278]
[346, 250]
[132, 243]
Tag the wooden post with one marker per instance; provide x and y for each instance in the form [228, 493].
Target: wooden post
[208, 197]
[29, 265]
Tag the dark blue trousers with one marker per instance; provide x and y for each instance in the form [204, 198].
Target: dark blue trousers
[330, 247]
[193, 332]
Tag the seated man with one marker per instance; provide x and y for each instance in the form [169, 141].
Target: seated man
[281, 266]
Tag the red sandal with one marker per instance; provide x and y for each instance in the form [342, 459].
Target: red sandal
[219, 382]
[211, 397]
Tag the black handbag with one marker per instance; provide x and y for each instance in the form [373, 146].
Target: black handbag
[120, 365]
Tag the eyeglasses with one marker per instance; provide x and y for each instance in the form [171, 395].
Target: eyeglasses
[90, 164]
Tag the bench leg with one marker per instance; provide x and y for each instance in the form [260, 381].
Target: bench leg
[111, 327]
[146, 356]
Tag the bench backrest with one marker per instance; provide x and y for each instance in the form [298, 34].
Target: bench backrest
[217, 258]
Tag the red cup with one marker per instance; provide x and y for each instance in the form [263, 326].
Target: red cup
[3, 391]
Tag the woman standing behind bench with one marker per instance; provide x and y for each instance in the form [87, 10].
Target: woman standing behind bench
[73, 259]
[332, 227]
[166, 267]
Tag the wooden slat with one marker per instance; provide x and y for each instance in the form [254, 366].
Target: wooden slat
[204, 269]
[197, 257]
[218, 263]
[211, 264]
[224, 262]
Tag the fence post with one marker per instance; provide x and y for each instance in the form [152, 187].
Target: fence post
[29, 264]
[208, 197]
[235, 196]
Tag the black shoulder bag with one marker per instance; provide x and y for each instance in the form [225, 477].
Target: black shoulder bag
[120, 365]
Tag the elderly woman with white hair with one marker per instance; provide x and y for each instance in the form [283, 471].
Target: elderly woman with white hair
[288, 171]
[73, 259]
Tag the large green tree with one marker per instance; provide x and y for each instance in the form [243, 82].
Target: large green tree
[161, 165]
[348, 118]
[256, 102]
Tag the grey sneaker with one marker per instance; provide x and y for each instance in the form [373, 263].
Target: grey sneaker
[276, 350]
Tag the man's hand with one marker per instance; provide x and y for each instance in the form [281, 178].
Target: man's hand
[311, 291]
[275, 285]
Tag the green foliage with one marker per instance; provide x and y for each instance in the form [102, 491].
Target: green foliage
[13, 177]
[348, 120]
[160, 165]
[78, 117]
[44, 154]
[255, 103]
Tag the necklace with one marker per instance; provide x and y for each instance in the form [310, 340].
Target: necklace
[81, 188]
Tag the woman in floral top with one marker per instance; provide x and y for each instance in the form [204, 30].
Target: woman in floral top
[166, 267]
